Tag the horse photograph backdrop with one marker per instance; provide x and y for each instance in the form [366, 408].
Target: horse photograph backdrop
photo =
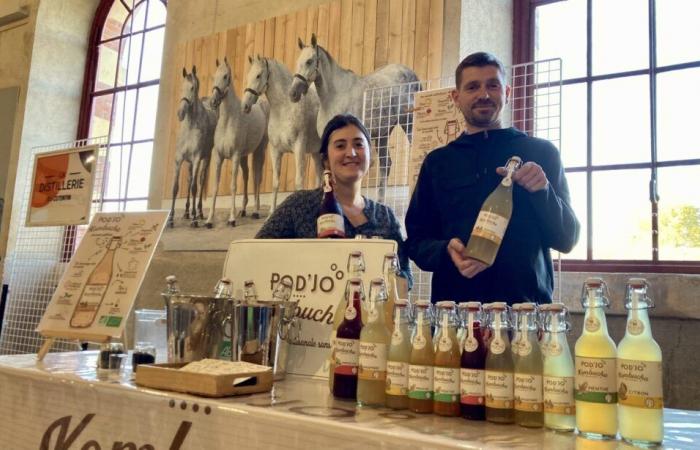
[362, 36]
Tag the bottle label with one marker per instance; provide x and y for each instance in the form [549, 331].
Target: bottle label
[635, 327]
[446, 384]
[640, 384]
[470, 344]
[527, 392]
[523, 347]
[420, 382]
[445, 344]
[329, 225]
[498, 387]
[596, 380]
[553, 348]
[559, 395]
[347, 355]
[592, 324]
[350, 312]
[372, 315]
[419, 342]
[396, 378]
[396, 337]
[497, 345]
[490, 226]
[372, 361]
[471, 386]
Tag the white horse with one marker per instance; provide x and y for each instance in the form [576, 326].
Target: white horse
[195, 139]
[237, 135]
[292, 126]
[342, 91]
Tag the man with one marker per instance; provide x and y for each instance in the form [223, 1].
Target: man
[455, 180]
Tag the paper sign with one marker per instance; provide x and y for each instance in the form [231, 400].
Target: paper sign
[98, 289]
[62, 185]
[318, 271]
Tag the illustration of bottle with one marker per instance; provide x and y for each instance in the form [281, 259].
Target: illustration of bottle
[95, 288]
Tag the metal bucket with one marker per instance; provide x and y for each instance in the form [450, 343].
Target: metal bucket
[261, 332]
[195, 326]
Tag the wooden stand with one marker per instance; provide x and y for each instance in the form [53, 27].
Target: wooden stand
[51, 337]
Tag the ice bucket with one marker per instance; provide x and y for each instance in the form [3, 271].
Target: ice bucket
[195, 326]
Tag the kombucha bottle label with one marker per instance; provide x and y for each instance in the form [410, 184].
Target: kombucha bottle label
[499, 389]
[329, 224]
[490, 226]
[350, 313]
[471, 386]
[396, 337]
[470, 344]
[592, 324]
[596, 380]
[419, 342]
[372, 361]
[559, 395]
[498, 346]
[446, 384]
[640, 384]
[635, 327]
[445, 344]
[347, 353]
[420, 382]
[396, 378]
[527, 392]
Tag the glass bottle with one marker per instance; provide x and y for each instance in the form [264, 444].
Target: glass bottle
[491, 224]
[223, 289]
[462, 317]
[398, 358]
[250, 292]
[498, 377]
[355, 269]
[557, 370]
[374, 342]
[447, 362]
[473, 362]
[330, 222]
[390, 270]
[515, 332]
[420, 370]
[527, 368]
[347, 346]
[95, 287]
[639, 372]
[172, 286]
[595, 384]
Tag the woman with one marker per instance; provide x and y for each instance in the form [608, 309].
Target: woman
[345, 151]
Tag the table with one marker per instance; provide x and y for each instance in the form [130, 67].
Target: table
[65, 403]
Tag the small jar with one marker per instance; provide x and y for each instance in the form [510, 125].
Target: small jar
[144, 353]
[111, 356]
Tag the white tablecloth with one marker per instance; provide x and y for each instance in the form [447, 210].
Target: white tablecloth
[63, 403]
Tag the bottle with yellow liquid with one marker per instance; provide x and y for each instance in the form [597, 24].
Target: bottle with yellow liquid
[527, 380]
[447, 362]
[390, 270]
[355, 269]
[398, 358]
[374, 342]
[595, 384]
[493, 219]
[498, 376]
[557, 370]
[420, 369]
[639, 372]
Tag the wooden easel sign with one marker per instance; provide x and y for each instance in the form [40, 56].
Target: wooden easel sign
[97, 291]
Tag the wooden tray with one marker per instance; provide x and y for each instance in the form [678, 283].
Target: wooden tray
[167, 377]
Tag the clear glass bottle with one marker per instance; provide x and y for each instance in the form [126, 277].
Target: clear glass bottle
[330, 222]
[390, 271]
[473, 362]
[224, 289]
[557, 370]
[527, 380]
[398, 358]
[498, 377]
[462, 321]
[347, 346]
[420, 370]
[639, 372]
[374, 342]
[172, 286]
[447, 361]
[596, 387]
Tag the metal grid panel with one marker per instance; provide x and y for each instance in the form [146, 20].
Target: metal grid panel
[38, 258]
[535, 108]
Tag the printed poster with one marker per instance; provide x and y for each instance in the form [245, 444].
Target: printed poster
[62, 183]
[98, 289]
[436, 122]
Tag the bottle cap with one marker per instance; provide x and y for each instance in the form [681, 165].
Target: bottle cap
[445, 304]
[423, 303]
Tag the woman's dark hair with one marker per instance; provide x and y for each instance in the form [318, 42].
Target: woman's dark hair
[337, 122]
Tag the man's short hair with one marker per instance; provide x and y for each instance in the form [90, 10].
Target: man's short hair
[478, 59]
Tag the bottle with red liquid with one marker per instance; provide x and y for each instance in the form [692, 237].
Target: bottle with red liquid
[473, 363]
[330, 222]
[347, 345]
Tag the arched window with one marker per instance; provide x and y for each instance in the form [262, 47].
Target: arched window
[120, 94]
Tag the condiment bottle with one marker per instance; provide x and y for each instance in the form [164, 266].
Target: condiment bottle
[398, 358]
[420, 370]
[330, 222]
[447, 362]
[473, 362]
[527, 380]
[498, 377]
[374, 342]
[347, 346]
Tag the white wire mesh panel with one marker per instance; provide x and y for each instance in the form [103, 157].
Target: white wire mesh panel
[535, 108]
[38, 257]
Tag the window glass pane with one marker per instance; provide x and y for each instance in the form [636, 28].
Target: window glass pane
[677, 31]
[156, 14]
[130, 60]
[621, 215]
[106, 65]
[146, 113]
[548, 113]
[552, 22]
[679, 213]
[620, 35]
[123, 119]
[115, 173]
[99, 116]
[577, 190]
[137, 21]
[573, 125]
[678, 94]
[152, 55]
[140, 172]
[113, 206]
[136, 205]
[621, 120]
[115, 20]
